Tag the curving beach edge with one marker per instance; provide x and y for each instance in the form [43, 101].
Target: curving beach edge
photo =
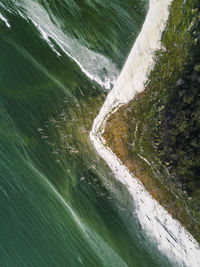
[171, 237]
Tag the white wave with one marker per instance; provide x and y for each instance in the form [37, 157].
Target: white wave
[91, 63]
[170, 236]
[5, 20]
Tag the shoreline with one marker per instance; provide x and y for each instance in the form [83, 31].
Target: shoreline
[170, 236]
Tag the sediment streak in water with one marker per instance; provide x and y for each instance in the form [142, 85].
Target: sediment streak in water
[170, 236]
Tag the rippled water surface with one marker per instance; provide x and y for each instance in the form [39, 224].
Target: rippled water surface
[60, 204]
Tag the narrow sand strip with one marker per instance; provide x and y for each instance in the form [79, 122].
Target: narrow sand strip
[170, 236]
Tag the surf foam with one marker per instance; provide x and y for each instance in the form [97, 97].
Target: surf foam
[5, 20]
[90, 62]
[170, 236]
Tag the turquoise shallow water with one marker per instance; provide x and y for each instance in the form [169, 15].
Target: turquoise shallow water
[60, 204]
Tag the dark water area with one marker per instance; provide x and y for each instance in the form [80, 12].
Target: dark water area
[60, 204]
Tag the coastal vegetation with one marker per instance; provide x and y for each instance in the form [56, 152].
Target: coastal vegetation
[157, 134]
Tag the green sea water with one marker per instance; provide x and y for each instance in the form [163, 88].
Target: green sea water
[60, 204]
